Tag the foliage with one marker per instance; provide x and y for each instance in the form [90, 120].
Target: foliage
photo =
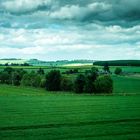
[106, 68]
[79, 83]
[40, 71]
[118, 63]
[118, 71]
[66, 84]
[53, 81]
[31, 79]
[91, 76]
[104, 84]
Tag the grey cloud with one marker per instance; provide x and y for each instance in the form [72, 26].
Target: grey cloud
[104, 11]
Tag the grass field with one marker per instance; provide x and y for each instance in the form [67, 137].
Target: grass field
[126, 85]
[28, 113]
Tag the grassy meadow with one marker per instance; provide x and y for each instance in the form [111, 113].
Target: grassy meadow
[29, 113]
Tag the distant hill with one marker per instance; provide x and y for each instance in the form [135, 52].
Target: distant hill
[12, 61]
[60, 62]
[36, 62]
[118, 63]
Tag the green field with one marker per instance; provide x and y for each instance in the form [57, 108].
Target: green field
[28, 113]
[126, 85]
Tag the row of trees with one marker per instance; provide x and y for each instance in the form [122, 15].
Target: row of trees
[89, 82]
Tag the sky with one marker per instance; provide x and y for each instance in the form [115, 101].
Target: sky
[70, 29]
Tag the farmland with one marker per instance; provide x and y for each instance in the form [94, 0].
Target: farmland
[34, 113]
[28, 113]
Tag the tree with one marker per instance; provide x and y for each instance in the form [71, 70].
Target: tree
[43, 83]
[66, 84]
[53, 81]
[104, 84]
[8, 69]
[118, 71]
[91, 76]
[79, 83]
[41, 71]
[106, 67]
[16, 78]
[5, 77]
[26, 80]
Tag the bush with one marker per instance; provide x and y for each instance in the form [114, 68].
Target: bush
[26, 81]
[79, 84]
[16, 78]
[104, 84]
[5, 78]
[32, 79]
[43, 83]
[8, 69]
[40, 71]
[118, 71]
[66, 84]
[53, 81]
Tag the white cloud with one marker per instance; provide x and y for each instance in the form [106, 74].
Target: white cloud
[85, 41]
[69, 12]
[78, 12]
[99, 6]
[19, 6]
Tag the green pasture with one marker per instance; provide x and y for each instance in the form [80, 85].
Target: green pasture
[29, 113]
[126, 84]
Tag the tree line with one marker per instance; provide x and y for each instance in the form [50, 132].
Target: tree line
[89, 82]
[118, 63]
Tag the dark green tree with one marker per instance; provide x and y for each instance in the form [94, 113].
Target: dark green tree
[79, 84]
[4, 77]
[118, 71]
[66, 84]
[41, 71]
[9, 70]
[53, 80]
[106, 67]
[91, 76]
[104, 84]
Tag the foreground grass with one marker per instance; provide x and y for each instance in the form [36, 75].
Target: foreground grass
[27, 113]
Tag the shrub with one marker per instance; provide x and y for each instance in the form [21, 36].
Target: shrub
[40, 71]
[43, 83]
[118, 71]
[104, 84]
[9, 70]
[66, 84]
[32, 79]
[53, 81]
[26, 80]
[5, 77]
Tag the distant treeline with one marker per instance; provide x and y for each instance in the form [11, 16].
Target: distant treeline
[15, 64]
[118, 63]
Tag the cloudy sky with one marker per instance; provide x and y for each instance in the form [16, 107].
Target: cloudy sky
[70, 29]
